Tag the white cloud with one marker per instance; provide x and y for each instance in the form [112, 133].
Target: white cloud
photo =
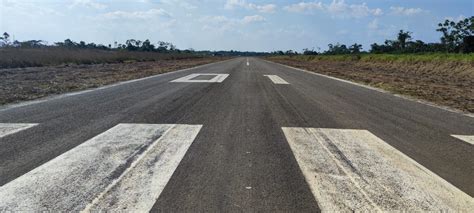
[215, 19]
[222, 20]
[377, 12]
[88, 4]
[362, 10]
[266, 8]
[231, 4]
[304, 6]
[337, 8]
[29, 9]
[218, 23]
[405, 11]
[152, 13]
[254, 18]
[177, 3]
[373, 25]
[222, 23]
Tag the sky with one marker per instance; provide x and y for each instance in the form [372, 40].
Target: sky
[244, 25]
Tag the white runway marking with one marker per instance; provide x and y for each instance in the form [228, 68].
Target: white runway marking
[353, 170]
[124, 168]
[466, 138]
[189, 78]
[11, 128]
[248, 63]
[276, 79]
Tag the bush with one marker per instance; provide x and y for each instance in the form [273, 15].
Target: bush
[47, 56]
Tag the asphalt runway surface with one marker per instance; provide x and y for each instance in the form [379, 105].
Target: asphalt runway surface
[239, 135]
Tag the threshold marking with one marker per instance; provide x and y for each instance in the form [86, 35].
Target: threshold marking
[126, 167]
[248, 63]
[189, 78]
[466, 138]
[12, 128]
[276, 79]
[354, 170]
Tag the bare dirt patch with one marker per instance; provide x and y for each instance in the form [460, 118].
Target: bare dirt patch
[22, 84]
[445, 83]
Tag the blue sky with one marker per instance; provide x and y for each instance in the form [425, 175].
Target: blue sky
[229, 24]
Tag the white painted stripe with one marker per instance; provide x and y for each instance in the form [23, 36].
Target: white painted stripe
[353, 170]
[276, 79]
[11, 128]
[466, 138]
[150, 175]
[188, 79]
[130, 163]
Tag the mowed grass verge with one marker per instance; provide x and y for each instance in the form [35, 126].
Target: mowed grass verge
[445, 79]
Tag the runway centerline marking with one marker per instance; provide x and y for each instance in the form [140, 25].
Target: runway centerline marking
[126, 167]
[12, 128]
[276, 79]
[218, 78]
[466, 138]
[354, 170]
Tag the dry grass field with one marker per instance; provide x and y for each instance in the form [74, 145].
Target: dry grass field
[50, 56]
[445, 79]
[22, 84]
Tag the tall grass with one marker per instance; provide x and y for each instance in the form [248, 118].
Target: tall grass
[428, 57]
[21, 57]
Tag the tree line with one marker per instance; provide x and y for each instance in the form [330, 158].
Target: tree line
[129, 45]
[457, 37]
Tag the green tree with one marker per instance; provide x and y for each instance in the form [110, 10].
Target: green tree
[307, 51]
[455, 32]
[165, 46]
[133, 44]
[291, 52]
[403, 38]
[82, 44]
[355, 48]
[147, 46]
[69, 43]
[336, 49]
[5, 39]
